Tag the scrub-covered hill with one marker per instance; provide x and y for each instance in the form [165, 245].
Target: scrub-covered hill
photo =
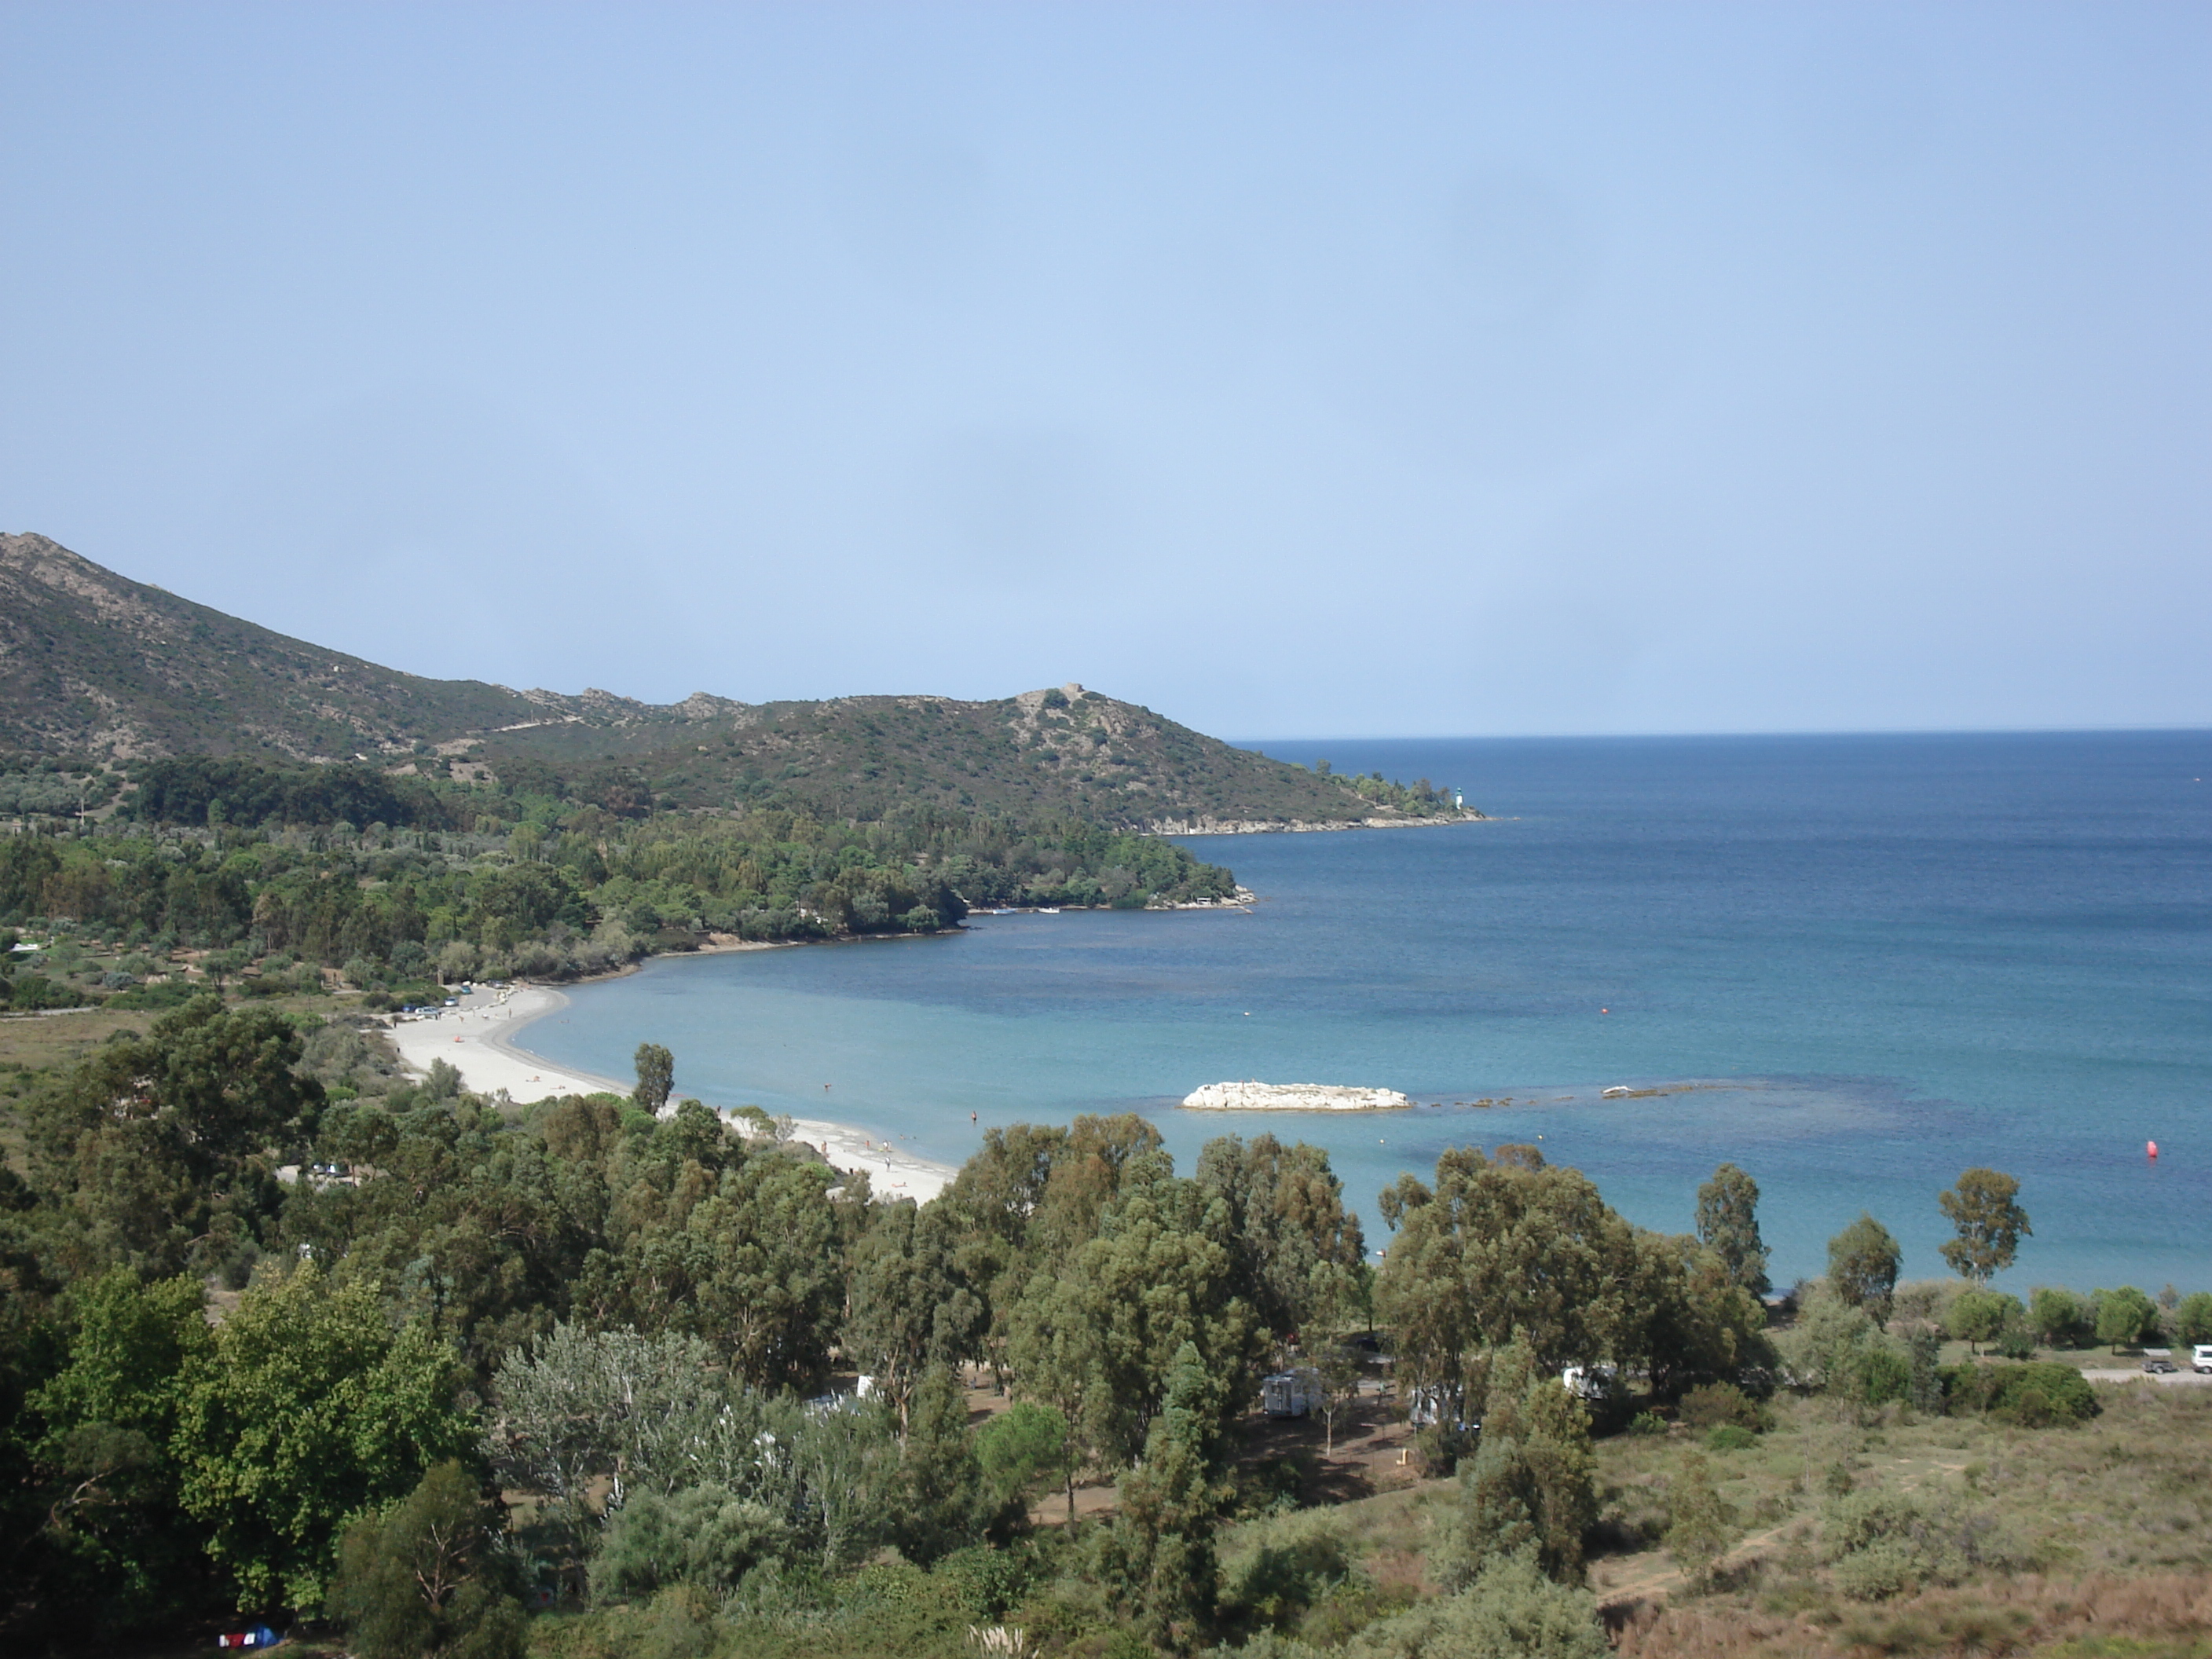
[98, 672]
[93, 663]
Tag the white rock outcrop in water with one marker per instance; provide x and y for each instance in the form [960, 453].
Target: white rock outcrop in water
[1292, 1097]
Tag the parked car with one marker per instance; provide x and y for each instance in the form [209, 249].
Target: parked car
[2163, 1367]
[2202, 1358]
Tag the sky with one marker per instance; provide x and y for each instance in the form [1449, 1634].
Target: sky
[1325, 370]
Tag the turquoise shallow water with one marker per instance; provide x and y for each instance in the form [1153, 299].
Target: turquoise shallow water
[1886, 957]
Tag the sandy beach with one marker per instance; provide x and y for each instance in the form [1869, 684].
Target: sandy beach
[477, 1039]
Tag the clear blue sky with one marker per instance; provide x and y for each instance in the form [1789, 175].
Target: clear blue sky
[1316, 370]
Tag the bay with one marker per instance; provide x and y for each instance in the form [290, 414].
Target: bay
[1858, 965]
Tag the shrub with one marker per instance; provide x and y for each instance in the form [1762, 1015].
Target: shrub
[1730, 1437]
[704, 1536]
[991, 1583]
[33, 991]
[1715, 1403]
[2040, 1394]
[1885, 1543]
[1510, 1611]
[1822, 1349]
[1295, 1560]
[1647, 1423]
[1884, 1375]
[1702, 1523]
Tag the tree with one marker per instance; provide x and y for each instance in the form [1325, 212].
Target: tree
[1823, 1348]
[580, 1412]
[1299, 1249]
[157, 1147]
[908, 1308]
[1338, 1371]
[1862, 1263]
[1022, 1446]
[1990, 1224]
[423, 1578]
[1531, 1483]
[308, 1410]
[656, 1076]
[2192, 1318]
[2126, 1318]
[1684, 1321]
[1728, 1225]
[1701, 1525]
[110, 1417]
[845, 1462]
[1159, 1552]
[940, 1480]
[1978, 1317]
[2061, 1318]
[1503, 1246]
[1054, 1349]
[1096, 1336]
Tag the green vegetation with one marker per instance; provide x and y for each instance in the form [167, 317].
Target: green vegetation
[97, 665]
[183, 781]
[397, 911]
[100, 675]
[284, 1332]
[1990, 1224]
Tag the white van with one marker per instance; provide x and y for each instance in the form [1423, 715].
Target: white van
[2201, 1357]
[1291, 1394]
[1591, 1382]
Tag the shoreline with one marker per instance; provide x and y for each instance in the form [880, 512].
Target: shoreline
[1168, 829]
[477, 1039]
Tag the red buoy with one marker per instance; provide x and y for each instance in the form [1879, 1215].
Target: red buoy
[2153, 1147]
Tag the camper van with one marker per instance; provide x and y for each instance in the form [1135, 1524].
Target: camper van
[1591, 1382]
[1438, 1406]
[1291, 1394]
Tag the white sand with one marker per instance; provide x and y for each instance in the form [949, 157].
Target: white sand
[478, 1040]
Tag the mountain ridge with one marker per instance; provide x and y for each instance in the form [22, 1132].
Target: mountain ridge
[113, 671]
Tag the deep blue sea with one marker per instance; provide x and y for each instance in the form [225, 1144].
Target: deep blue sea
[1882, 959]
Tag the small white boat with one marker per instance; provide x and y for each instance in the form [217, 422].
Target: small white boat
[1048, 910]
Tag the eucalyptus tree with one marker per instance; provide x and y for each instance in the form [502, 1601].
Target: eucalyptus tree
[1728, 1225]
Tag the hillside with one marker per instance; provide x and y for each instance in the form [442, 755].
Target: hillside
[96, 670]
[92, 662]
[1061, 752]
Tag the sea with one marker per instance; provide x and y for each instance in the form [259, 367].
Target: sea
[1854, 966]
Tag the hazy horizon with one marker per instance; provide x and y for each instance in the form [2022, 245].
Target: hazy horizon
[1395, 370]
